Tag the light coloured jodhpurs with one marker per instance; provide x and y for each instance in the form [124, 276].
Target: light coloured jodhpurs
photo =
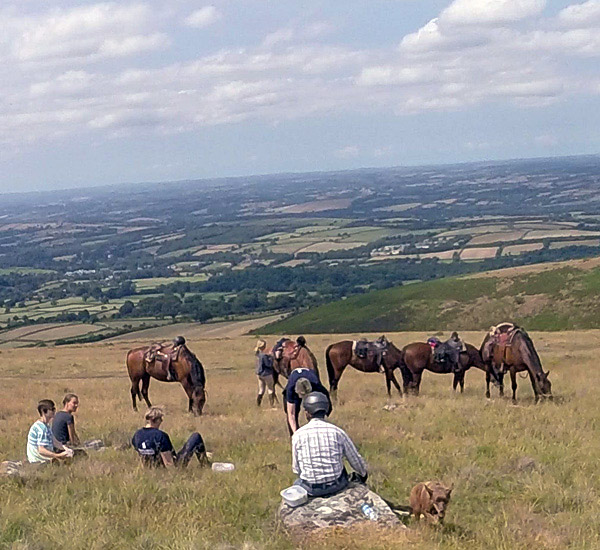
[265, 382]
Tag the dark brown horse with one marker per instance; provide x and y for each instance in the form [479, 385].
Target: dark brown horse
[339, 355]
[510, 349]
[418, 357]
[294, 355]
[186, 368]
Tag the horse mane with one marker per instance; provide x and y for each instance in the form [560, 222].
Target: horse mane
[196, 368]
[531, 349]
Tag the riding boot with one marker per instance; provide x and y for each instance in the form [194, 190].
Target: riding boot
[272, 400]
[259, 399]
[171, 376]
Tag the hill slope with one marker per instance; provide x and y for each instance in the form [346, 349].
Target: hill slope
[554, 296]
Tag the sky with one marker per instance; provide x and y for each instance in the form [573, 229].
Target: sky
[95, 93]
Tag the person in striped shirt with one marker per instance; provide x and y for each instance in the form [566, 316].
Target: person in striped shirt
[319, 449]
[42, 446]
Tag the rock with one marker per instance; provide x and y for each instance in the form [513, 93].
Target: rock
[340, 510]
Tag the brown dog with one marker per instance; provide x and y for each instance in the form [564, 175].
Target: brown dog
[430, 499]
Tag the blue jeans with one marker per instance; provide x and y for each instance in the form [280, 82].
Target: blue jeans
[194, 445]
[324, 489]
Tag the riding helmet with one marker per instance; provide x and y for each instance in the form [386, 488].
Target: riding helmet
[316, 402]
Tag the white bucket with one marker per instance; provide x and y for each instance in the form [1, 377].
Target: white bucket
[294, 496]
[223, 467]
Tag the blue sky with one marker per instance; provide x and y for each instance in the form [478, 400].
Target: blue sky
[109, 92]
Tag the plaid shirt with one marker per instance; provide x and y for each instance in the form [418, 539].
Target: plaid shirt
[318, 451]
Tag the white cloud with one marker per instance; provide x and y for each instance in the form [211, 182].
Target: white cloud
[203, 17]
[470, 12]
[92, 31]
[581, 15]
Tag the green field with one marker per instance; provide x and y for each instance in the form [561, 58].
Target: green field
[525, 477]
[559, 297]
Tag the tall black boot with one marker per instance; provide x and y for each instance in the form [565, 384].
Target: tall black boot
[258, 400]
[272, 400]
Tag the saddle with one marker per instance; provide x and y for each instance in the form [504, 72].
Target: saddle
[503, 334]
[165, 353]
[364, 348]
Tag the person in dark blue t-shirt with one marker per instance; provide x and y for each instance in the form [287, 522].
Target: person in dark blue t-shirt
[300, 383]
[155, 448]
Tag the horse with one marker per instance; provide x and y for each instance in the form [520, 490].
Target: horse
[295, 355]
[510, 346]
[339, 355]
[185, 367]
[418, 357]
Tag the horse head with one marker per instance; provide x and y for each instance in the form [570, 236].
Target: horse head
[544, 384]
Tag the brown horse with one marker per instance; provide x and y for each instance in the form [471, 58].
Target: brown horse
[510, 349]
[294, 355]
[339, 355]
[418, 357]
[188, 371]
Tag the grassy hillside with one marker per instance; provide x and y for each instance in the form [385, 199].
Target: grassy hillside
[525, 477]
[550, 297]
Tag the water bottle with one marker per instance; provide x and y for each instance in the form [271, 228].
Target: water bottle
[222, 467]
[369, 512]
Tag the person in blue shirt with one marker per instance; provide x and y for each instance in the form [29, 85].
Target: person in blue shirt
[155, 448]
[300, 383]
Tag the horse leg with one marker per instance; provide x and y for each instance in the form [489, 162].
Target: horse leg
[334, 383]
[395, 382]
[145, 386]
[488, 378]
[462, 382]
[135, 392]
[501, 383]
[416, 382]
[513, 383]
[534, 386]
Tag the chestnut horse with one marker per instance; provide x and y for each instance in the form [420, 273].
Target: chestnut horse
[339, 355]
[295, 355]
[418, 357]
[188, 370]
[512, 350]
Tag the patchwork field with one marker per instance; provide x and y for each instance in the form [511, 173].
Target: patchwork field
[524, 476]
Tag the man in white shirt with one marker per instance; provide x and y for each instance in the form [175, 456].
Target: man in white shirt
[41, 444]
[319, 449]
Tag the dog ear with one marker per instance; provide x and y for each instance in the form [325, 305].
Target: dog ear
[449, 490]
[429, 489]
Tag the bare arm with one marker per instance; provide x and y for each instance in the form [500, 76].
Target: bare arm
[73, 437]
[291, 416]
[50, 454]
[167, 458]
[295, 467]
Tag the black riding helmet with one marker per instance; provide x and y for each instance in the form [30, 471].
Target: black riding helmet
[316, 402]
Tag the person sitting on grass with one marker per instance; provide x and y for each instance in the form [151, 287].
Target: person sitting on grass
[42, 447]
[63, 425]
[155, 448]
[319, 449]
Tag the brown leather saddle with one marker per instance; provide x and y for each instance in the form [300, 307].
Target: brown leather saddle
[163, 353]
[503, 334]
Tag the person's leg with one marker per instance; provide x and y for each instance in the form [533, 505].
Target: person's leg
[261, 390]
[194, 445]
[271, 389]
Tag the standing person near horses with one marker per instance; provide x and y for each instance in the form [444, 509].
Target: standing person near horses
[455, 346]
[42, 447]
[264, 373]
[63, 425]
[319, 449]
[155, 448]
[300, 383]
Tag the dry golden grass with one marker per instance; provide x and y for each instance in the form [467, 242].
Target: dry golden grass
[500, 501]
[478, 253]
[516, 249]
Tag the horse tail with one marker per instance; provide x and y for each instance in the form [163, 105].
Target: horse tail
[330, 369]
[404, 370]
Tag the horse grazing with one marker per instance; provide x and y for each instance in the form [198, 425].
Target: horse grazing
[293, 355]
[418, 357]
[341, 354]
[183, 367]
[508, 347]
